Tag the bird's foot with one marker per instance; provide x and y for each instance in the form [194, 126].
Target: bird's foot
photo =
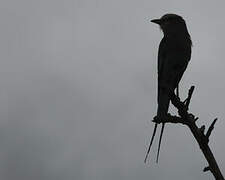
[161, 118]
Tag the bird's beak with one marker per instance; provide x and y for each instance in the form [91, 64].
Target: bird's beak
[157, 21]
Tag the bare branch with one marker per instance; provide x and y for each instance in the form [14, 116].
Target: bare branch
[211, 127]
[191, 90]
[206, 169]
[202, 129]
[171, 119]
[196, 119]
[198, 133]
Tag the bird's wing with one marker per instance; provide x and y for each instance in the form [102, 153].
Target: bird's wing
[161, 56]
[172, 62]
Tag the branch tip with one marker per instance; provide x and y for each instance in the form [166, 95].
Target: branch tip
[202, 129]
[196, 119]
[206, 169]
[211, 127]
[190, 92]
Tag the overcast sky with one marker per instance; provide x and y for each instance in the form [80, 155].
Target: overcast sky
[78, 89]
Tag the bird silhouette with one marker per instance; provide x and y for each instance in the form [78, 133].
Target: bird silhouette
[173, 56]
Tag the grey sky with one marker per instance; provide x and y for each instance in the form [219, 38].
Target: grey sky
[78, 89]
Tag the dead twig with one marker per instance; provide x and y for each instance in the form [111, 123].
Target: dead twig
[189, 119]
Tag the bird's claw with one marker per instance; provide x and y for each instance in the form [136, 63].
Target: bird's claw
[161, 119]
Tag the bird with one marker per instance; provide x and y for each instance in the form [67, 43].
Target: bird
[174, 54]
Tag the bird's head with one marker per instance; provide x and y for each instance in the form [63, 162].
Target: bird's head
[171, 23]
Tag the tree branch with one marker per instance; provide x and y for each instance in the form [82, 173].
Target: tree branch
[198, 133]
[211, 127]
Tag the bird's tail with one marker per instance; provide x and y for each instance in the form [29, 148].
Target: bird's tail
[163, 103]
[162, 129]
[150, 145]
[160, 140]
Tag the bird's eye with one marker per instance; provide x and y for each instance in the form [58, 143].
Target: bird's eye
[164, 21]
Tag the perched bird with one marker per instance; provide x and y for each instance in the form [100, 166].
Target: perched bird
[173, 56]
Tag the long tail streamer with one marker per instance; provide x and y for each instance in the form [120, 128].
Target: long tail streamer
[160, 140]
[150, 145]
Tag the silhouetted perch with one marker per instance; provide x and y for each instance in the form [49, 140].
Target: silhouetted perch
[211, 127]
[190, 92]
[198, 133]
[206, 169]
